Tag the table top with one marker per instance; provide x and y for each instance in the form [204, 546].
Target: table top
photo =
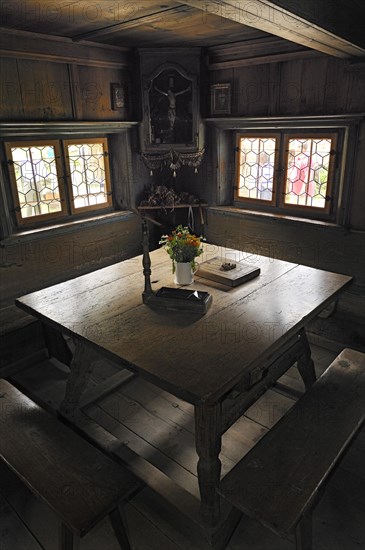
[197, 358]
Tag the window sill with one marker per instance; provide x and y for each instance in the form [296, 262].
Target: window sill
[275, 218]
[64, 228]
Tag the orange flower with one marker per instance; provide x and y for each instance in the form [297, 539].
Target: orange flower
[182, 246]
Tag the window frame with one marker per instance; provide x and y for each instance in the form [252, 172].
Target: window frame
[108, 189]
[14, 188]
[256, 134]
[68, 211]
[331, 189]
[277, 205]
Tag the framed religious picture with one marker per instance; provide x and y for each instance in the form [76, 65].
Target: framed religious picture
[170, 109]
[220, 95]
[118, 96]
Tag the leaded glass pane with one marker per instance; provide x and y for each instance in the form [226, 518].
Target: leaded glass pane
[36, 180]
[87, 168]
[307, 172]
[256, 165]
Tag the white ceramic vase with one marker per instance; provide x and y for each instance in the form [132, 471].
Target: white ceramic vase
[183, 273]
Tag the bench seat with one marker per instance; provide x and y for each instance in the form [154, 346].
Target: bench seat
[78, 481]
[278, 481]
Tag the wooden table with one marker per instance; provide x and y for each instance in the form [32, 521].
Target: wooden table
[220, 362]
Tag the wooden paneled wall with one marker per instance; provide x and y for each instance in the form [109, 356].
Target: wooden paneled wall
[310, 86]
[36, 262]
[34, 89]
[67, 83]
[317, 86]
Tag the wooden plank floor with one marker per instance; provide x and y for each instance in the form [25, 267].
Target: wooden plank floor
[156, 425]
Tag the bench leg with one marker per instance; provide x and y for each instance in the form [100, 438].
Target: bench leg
[65, 537]
[81, 366]
[117, 519]
[303, 533]
[305, 363]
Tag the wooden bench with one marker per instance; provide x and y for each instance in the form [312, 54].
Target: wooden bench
[79, 482]
[280, 480]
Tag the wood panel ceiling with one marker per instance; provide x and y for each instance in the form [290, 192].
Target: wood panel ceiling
[204, 23]
[142, 23]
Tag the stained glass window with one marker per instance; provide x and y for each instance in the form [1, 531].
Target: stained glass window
[288, 171]
[58, 178]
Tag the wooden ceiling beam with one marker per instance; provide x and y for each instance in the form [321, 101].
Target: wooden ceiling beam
[268, 49]
[317, 25]
[262, 59]
[131, 23]
[31, 45]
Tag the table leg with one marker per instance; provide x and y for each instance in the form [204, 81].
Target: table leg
[305, 363]
[80, 367]
[208, 436]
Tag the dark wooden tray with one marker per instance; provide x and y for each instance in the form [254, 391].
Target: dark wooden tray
[180, 299]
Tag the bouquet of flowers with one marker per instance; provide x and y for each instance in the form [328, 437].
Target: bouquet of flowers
[182, 246]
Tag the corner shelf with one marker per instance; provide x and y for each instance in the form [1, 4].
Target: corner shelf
[172, 207]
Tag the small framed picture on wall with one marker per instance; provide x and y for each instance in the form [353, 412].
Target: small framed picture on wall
[220, 99]
[118, 96]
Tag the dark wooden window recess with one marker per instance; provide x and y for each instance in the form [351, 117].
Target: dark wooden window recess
[51, 179]
[288, 171]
